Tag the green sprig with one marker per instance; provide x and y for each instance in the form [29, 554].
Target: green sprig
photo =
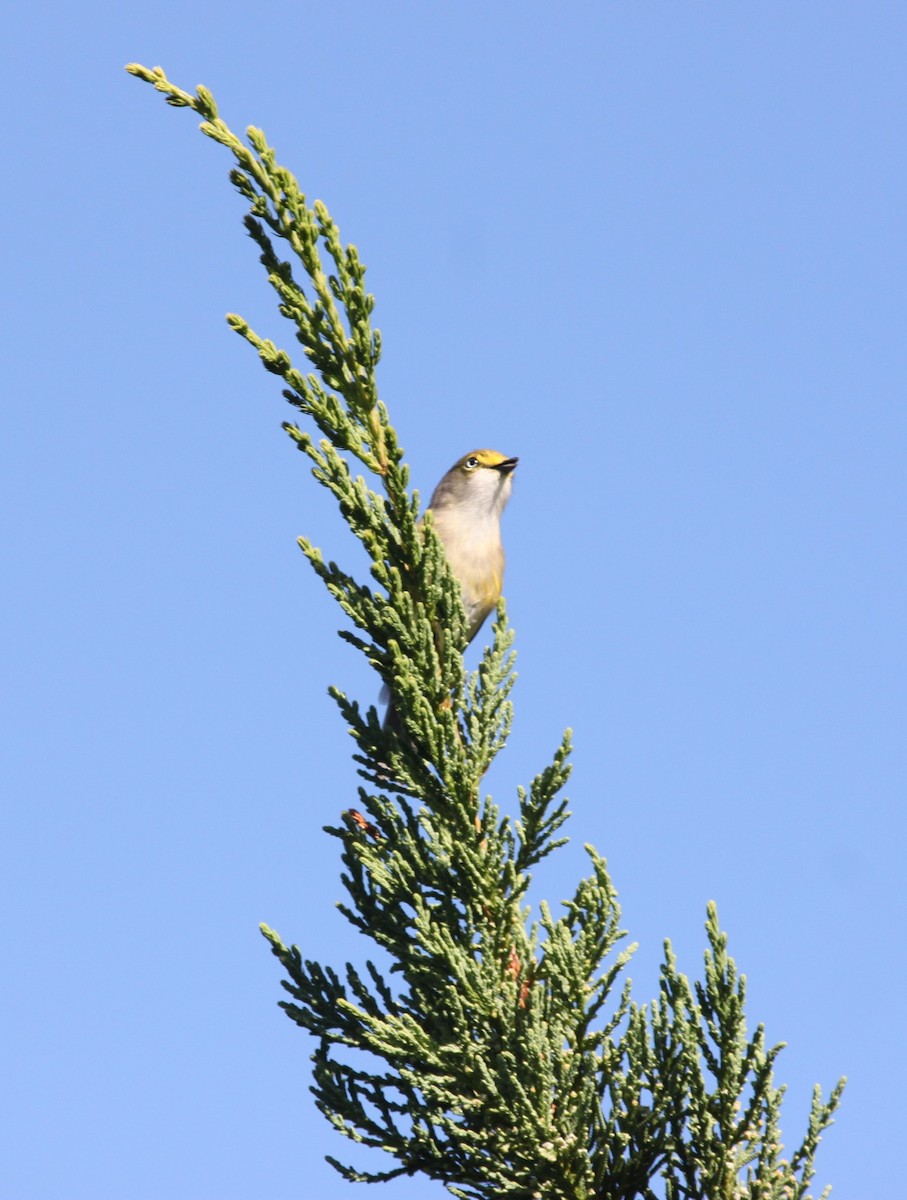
[498, 1056]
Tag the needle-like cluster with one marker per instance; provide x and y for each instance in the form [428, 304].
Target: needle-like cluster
[493, 1053]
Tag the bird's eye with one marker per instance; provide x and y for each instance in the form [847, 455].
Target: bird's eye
[471, 463]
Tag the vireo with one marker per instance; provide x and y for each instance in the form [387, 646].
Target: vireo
[466, 509]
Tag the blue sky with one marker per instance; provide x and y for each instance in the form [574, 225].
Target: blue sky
[657, 251]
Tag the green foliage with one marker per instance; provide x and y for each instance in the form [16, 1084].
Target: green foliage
[498, 1056]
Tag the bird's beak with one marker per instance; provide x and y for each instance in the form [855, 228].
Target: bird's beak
[507, 465]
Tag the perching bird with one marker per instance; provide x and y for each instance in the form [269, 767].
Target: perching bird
[466, 509]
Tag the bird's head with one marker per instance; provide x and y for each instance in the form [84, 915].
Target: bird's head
[481, 481]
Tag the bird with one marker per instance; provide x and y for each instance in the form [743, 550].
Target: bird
[466, 509]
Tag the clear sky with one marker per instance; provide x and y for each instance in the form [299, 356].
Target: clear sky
[657, 250]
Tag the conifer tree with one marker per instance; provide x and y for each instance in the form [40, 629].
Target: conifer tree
[501, 1056]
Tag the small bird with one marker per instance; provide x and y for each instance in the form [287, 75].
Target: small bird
[466, 509]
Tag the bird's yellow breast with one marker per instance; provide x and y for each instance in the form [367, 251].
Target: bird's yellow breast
[478, 565]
